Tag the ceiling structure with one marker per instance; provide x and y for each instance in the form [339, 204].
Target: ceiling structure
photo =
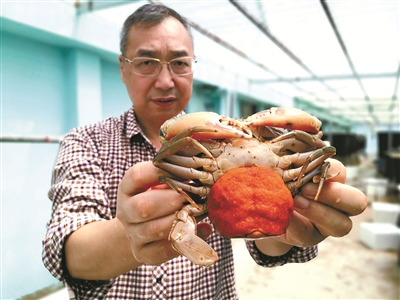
[342, 56]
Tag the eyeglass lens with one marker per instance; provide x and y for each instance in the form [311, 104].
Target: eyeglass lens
[147, 66]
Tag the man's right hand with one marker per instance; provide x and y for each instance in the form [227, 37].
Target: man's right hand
[147, 209]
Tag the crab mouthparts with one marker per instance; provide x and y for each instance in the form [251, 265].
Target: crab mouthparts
[236, 127]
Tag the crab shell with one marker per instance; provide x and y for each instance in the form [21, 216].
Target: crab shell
[187, 137]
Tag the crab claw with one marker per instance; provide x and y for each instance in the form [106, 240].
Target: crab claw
[204, 125]
[184, 239]
[285, 117]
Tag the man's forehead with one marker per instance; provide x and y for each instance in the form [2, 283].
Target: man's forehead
[150, 25]
[168, 38]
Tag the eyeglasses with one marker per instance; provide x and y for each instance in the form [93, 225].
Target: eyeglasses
[146, 66]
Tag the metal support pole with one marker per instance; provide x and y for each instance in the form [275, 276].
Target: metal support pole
[30, 139]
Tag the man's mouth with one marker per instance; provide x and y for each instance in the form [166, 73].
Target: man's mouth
[164, 101]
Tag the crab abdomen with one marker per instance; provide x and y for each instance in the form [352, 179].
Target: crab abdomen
[250, 202]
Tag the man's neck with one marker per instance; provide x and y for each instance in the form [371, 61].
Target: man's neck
[151, 129]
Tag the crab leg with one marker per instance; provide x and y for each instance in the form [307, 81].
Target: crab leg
[310, 169]
[324, 175]
[315, 159]
[187, 173]
[179, 142]
[292, 185]
[321, 178]
[189, 162]
[181, 187]
[308, 139]
[172, 184]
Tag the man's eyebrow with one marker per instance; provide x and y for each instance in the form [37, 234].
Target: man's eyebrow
[146, 53]
[180, 53]
[153, 54]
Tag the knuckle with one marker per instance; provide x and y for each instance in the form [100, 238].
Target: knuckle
[143, 206]
[123, 216]
[133, 174]
[154, 228]
[303, 236]
[132, 235]
[140, 258]
[303, 230]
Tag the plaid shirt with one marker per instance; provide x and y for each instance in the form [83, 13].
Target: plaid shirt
[91, 162]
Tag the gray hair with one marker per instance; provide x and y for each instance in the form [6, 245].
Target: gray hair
[150, 14]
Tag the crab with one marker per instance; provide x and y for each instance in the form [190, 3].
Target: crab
[200, 149]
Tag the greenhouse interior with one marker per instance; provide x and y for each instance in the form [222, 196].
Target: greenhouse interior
[338, 61]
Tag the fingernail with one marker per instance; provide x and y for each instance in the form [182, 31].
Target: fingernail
[309, 190]
[301, 202]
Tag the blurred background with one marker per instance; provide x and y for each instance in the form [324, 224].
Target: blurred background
[338, 60]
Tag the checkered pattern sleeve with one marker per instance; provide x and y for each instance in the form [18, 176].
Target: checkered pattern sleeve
[295, 255]
[79, 197]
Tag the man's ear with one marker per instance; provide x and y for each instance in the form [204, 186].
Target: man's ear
[121, 68]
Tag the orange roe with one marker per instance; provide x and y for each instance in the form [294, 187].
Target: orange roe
[250, 202]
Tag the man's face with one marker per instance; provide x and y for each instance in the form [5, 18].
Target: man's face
[165, 95]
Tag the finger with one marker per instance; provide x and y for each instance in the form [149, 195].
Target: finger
[149, 241]
[301, 232]
[150, 231]
[345, 198]
[140, 178]
[328, 221]
[337, 168]
[155, 253]
[151, 204]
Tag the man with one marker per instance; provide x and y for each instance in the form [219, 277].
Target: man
[108, 235]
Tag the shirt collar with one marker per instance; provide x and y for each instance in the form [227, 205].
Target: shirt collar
[132, 126]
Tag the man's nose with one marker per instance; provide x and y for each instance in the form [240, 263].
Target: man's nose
[164, 78]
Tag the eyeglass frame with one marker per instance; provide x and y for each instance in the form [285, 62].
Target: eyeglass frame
[161, 63]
